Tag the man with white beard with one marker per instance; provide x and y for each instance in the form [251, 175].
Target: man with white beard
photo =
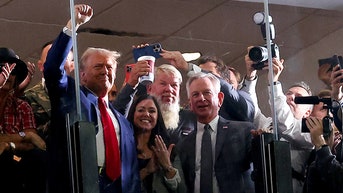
[166, 89]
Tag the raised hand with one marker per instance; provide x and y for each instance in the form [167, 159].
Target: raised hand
[162, 153]
[5, 73]
[336, 83]
[176, 59]
[277, 68]
[83, 13]
[141, 68]
[31, 68]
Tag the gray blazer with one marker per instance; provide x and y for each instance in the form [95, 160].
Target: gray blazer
[232, 155]
[159, 185]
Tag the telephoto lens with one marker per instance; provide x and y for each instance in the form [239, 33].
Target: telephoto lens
[258, 54]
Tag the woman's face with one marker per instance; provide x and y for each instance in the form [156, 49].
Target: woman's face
[145, 116]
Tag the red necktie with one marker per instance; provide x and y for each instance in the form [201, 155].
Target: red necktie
[112, 155]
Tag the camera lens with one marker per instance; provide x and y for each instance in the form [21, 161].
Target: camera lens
[258, 54]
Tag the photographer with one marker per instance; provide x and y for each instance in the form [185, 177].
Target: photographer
[249, 86]
[288, 116]
[326, 172]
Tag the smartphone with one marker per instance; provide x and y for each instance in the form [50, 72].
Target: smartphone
[150, 50]
[337, 60]
[332, 61]
[304, 128]
[128, 68]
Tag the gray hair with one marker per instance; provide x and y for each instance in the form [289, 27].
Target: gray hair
[200, 75]
[303, 85]
[114, 55]
[167, 68]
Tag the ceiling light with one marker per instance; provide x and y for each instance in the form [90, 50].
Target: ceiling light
[191, 56]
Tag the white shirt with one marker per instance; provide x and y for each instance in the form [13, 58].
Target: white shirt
[200, 131]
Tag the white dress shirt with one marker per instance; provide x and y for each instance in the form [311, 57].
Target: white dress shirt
[200, 131]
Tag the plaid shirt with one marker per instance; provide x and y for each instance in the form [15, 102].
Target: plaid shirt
[18, 116]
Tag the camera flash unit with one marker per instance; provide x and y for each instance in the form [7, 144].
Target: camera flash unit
[259, 18]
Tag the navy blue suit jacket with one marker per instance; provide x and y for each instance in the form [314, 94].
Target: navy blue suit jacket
[232, 155]
[62, 96]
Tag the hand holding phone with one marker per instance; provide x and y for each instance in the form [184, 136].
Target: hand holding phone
[150, 50]
[337, 60]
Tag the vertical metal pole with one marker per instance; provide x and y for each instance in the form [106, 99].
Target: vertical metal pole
[76, 62]
[75, 187]
[70, 155]
[270, 68]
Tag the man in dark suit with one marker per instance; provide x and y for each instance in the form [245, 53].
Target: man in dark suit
[97, 73]
[230, 142]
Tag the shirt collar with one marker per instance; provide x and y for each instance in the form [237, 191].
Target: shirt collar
[213, 124]
[106, 100]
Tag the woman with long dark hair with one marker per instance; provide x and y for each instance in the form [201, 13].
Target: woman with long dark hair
[159, 171]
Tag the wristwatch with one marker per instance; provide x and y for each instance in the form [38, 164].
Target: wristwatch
[22, 134]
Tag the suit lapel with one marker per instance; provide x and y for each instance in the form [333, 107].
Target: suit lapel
[90, 106]
[190, 148]
[187, 147]
[221, 135]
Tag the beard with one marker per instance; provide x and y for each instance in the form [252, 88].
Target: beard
[170, 113]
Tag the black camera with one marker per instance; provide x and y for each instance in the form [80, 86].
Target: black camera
[327, 120]
[327, 126]
[259, 55]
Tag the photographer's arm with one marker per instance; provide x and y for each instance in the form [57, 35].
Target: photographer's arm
[249, 86]
[329, 168]
[277, 69]
[326, 164]
[288, 126]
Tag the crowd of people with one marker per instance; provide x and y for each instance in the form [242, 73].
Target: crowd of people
[145, 141]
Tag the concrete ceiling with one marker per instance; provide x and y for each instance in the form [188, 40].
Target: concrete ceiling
[221, 27]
